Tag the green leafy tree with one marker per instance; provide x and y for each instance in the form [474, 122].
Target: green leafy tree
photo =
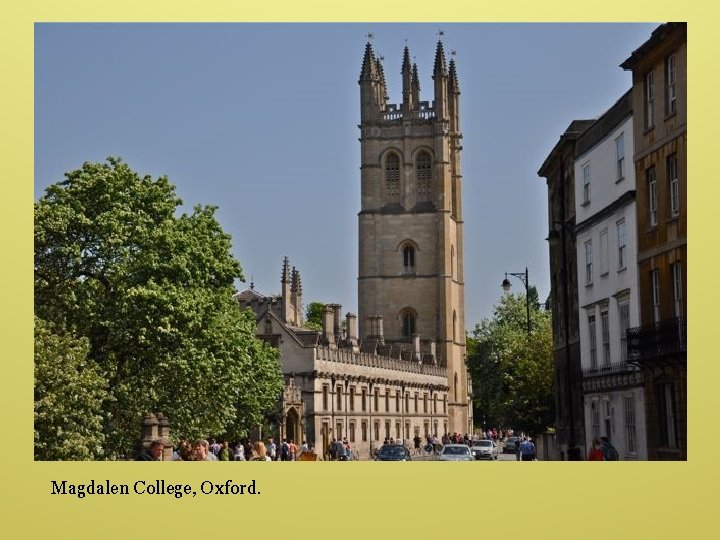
[511, 370]
[69, 393]
[314, 316]
[151, 291]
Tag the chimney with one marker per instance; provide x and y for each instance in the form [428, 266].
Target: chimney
[351, 330]
[416, 347]
[380, 331]
[327, 325]
[337, 320]
[432, 352]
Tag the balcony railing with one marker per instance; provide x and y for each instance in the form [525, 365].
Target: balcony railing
[657, 342]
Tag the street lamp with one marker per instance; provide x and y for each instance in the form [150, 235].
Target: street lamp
[523, 277]
[432, 404]
[402, 409]
[370, 385]
[332, 393]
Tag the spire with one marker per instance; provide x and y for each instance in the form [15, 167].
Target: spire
[293, 284]
[369, 69]
[453, 85]
[440, 68]
[407, 83]
[406, 62]
[286, 271]
[383, 83]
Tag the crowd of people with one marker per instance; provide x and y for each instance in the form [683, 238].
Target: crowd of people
[244, 450]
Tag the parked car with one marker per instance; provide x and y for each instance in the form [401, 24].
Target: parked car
[455, 452]
[484, 449]
[392, 452]
[511, 444]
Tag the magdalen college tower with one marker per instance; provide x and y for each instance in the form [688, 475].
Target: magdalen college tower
[410, 283]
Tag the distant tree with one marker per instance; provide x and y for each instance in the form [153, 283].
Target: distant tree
[151, 291]
[511, 370]
[314, 316]
[69, 393]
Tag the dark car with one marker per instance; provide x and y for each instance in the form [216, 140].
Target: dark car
[511, 444]
[392, 452]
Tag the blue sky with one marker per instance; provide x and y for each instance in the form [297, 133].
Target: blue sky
[261, 121]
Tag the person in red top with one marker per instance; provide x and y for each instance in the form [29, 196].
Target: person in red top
[596, 453]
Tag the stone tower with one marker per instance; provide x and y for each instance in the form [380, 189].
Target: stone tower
[410, 282]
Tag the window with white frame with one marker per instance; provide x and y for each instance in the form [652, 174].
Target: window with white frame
[605, 327]
[671, 80]
[588, 263]
[593, 341]
[630, 426]
[586, 182]
[672, 175]
[620, 156]
[655, 290]
[677, 289]
[622, 244]
[649, 100]
[624, 319]
[603, 252]
[652, 195]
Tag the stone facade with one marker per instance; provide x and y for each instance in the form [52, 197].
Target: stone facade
[659, 344]
[410, 221]
[339, 386]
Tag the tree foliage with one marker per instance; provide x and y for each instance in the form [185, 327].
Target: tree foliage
[151, 291]
[511, 370]
[314, 316]
[69, 393]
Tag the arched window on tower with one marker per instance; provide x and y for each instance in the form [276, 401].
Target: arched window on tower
[408, 259]
[454, 325]
[392, 177]
[408, 318]
[452, 262]
[423, 176]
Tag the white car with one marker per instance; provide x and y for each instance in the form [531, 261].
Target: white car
[455, 452]
[484, 449]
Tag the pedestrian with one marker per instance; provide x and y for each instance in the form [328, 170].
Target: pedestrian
[610, 453]
[224, 453]
[596, 453]
[259, 452]
[271, 449]
[293, 450]
[239, 454]
[153, 453]
[201, 451]
[527, 450]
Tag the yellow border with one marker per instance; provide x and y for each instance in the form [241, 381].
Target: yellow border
[549, 500]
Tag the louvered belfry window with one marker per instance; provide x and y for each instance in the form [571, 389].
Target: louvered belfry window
[423, 176]
[392, 178]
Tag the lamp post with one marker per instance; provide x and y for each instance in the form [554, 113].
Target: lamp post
[523, 277]
[370, 385]
[432, 405]
[332, 426]
[402, 409]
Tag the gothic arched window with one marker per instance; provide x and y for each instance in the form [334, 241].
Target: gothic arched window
[454, 325]
[408, 319]
[392, 177]
[423, 176]
[408, 258]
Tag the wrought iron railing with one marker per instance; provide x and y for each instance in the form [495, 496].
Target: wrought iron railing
[657, 341]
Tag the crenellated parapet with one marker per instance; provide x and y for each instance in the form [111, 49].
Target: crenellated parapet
[365, 359]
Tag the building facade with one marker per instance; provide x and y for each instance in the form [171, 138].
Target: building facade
[559, 171]
[607, 285]
[659, 344]
[400, 372]
[410, 221]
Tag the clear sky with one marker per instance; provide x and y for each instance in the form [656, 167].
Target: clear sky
[261, 121]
